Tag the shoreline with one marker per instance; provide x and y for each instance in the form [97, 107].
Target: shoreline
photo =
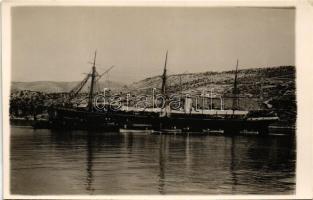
[16, 121]
[274, 130]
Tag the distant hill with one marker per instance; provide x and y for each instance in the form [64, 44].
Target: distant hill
[250, 81]
[51, 86]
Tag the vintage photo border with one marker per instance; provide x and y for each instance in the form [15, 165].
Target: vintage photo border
[304, 82]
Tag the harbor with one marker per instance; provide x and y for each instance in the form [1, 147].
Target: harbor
[106, 101]
[185, 118]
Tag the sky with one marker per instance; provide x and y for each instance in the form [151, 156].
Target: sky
[56, 43]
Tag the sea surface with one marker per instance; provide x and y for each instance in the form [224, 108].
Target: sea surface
[45, 162]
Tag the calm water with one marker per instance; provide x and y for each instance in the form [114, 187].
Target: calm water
[46, 162]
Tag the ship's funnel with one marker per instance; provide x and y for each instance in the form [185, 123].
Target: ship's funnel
[188, 104]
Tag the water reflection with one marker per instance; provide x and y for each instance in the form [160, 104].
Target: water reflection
[89, 163]
[163, 150]
[233, 164]
[114, 163]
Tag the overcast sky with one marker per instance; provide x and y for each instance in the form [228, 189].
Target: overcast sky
[56, 43]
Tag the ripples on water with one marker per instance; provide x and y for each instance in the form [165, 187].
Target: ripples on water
[44, 162]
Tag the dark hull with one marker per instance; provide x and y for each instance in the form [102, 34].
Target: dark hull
[74, 119]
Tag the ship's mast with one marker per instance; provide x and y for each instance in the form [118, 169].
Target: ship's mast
[235, 90]
[93, 76]
[163, 89]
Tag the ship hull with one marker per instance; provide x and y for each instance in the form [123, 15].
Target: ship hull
[74, 119]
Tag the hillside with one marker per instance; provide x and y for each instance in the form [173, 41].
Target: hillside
[55, 87]
[250, 81]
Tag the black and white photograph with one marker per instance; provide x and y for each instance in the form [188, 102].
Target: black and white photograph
[152, 100]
